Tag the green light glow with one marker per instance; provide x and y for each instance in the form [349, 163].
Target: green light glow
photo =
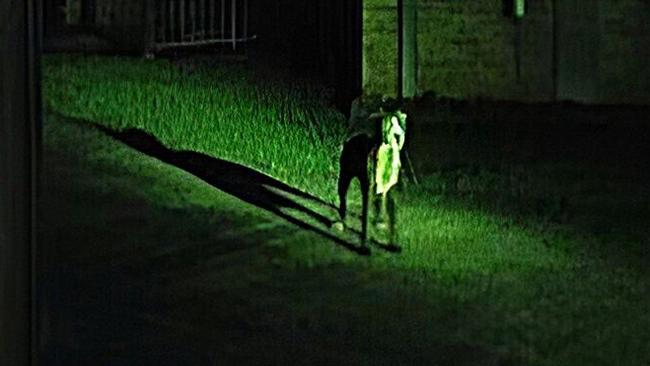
[388, 161]
[520, 8]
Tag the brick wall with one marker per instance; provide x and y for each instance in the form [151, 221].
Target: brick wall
[467, 49]
[379, 46]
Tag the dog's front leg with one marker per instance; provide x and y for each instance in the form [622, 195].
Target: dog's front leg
[380, 211]
[365, 192]
[392, 220]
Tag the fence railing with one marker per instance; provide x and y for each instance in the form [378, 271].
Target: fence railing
[178, 23]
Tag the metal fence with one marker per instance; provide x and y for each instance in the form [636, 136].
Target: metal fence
[178, 23]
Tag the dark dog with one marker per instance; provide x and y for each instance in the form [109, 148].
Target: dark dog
[359, 160]
[356, 162]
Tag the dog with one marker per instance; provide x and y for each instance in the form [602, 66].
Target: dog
[371, 154]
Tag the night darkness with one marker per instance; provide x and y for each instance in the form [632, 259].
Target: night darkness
[256, 182]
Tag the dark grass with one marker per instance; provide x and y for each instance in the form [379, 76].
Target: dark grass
[550, 166]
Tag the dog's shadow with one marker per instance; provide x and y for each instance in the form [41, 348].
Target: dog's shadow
[244, 183]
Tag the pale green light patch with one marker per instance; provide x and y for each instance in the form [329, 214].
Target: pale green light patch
[520, 8]
[388, 160]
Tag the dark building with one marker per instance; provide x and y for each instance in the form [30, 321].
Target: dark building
[581, 50]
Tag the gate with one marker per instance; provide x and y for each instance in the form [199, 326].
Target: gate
[180, 23]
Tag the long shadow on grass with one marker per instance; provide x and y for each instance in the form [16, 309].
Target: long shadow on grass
[244, 183]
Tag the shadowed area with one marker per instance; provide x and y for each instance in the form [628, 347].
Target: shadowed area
[242, 182]
[580, 166]
[141, 276]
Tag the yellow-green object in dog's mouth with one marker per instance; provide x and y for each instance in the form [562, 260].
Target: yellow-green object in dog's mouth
[388, 159]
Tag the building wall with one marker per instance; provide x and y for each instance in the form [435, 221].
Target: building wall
[468, 49]
[624, 52]
[379, 73]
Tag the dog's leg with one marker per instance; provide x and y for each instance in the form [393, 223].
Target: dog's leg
[343, 186]
[392, 220]
[381, 212]
[376, 199]
[376, 203]
[365, 186]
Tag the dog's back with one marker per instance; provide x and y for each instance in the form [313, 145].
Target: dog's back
[355, 156]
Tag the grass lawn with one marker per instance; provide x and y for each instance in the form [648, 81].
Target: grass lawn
[144, 261]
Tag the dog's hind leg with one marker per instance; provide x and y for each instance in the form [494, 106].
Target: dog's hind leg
[392, 220]
[365, 192]
[380, 211]
[343, 186]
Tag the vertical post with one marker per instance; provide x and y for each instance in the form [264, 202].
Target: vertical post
[555, 61]
[223, 20]
[150, 21]
[357, 47]
[172, 20]
[400, 50]
[245, 19]
[108, 15]
[233, 23]
[409, 52]
[213, 14]
[182, 19]
[202, 12]
[163, 21]
[193, 18]
[20, 113]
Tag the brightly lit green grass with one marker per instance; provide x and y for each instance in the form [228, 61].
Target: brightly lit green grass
[284, 130]
[533, 293]
[275, 127]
